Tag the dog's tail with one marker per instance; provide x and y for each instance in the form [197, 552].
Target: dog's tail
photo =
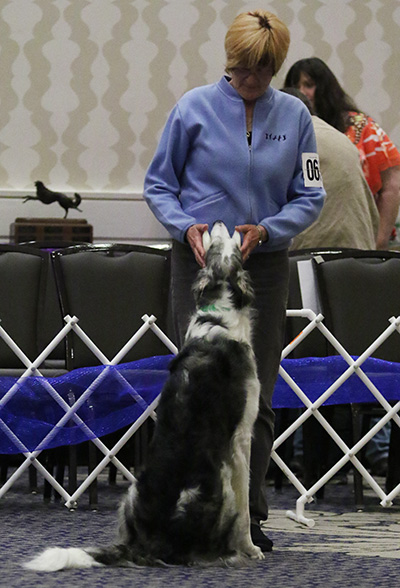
[58, 558]
[54, 559]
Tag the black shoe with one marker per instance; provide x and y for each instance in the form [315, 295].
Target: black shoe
[259, 538]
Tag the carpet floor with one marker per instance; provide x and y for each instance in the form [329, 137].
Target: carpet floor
[345, 548]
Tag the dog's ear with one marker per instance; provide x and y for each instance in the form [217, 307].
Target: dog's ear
[237, 238]
[201, 283]
[206, 241]
[205, 288]
[242, 291]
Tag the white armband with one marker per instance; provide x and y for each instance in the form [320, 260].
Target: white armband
[311, 172]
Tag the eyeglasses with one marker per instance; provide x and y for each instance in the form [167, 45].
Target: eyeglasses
[244, 72]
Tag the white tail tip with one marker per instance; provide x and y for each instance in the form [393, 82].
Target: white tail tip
[57, 558]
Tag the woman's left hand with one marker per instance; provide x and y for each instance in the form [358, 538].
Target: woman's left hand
[251, 237]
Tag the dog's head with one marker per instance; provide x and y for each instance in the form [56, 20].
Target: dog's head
[223, 271]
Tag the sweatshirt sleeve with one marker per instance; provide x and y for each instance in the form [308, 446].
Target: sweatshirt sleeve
[162, 181]
[305, 194]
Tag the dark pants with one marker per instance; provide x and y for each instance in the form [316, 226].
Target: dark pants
[270, 276]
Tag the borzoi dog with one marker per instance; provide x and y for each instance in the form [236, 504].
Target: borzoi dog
[190, 504]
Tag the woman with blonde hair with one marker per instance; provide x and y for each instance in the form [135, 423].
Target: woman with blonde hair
[241, 152]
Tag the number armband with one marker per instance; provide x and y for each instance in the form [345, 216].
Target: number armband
[311, 173]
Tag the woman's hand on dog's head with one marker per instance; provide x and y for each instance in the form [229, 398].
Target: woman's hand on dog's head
[251, 238]
[194, 236]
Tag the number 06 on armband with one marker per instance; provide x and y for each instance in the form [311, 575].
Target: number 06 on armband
[311, 172]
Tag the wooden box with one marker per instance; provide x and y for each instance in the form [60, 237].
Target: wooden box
[51, 230]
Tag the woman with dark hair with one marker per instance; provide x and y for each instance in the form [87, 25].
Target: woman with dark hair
[379, 157]
[349, 217]
[316, 81]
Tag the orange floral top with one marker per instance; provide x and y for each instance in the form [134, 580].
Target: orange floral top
[377, 152]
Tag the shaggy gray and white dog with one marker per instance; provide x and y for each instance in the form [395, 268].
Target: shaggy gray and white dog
[190, 504]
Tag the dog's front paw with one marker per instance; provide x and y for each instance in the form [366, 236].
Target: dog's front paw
[253, 551]
[257, 553]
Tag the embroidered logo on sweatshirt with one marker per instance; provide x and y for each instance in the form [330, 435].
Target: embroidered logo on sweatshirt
[274, 137]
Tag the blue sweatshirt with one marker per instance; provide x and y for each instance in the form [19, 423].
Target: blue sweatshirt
[204, 169]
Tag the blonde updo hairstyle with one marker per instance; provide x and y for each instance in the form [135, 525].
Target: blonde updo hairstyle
[256, 39]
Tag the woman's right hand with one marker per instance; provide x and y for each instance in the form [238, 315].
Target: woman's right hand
[194, 236]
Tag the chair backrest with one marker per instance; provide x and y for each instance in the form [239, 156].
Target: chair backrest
[359, 293]
[23, 273]
[52, 321]
[109, 288]
[315, 344]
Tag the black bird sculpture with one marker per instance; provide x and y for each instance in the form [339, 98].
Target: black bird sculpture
[48, 196]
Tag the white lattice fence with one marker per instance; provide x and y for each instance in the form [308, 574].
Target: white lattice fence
[110, 455]
[31, 457]
[312, 409]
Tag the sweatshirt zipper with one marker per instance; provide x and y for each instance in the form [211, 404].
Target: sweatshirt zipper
[250, 146]
[250, 151]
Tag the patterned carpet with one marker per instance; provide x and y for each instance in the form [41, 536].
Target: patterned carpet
[345, 547]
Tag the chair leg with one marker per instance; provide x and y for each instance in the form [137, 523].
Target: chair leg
[283, 423]
[112, 474]
[72, 469]
[52, 459]
[92, 462]
[3, 474]
[315, 444]
[393, 475]
[358, 480]
[60, 465]
[47, 486]
[33, 486]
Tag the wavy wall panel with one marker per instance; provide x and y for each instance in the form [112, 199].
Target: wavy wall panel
[87, 86]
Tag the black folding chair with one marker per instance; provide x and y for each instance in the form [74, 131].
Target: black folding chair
[23, 278]
[359, 293]
[315, 440]
[109, 288]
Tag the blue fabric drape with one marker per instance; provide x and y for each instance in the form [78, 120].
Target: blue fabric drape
[126, 390]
